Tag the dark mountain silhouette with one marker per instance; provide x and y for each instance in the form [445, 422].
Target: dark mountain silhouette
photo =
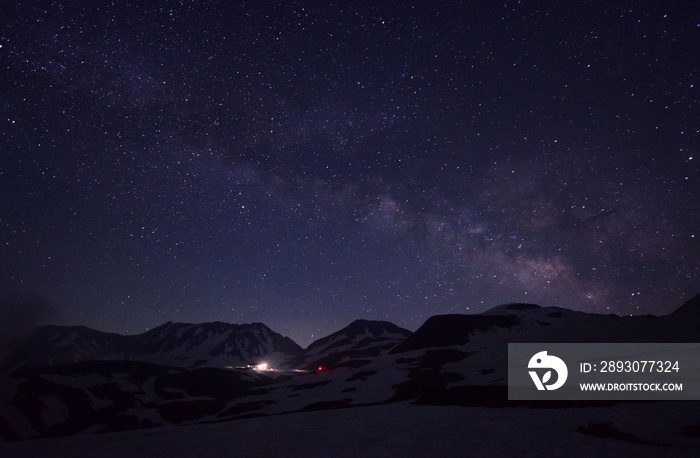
[353, 346]
[449, 360]
[171, 344]
[532, 323]
[690, 310]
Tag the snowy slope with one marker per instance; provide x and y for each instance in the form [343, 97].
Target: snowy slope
[472, 349]
[171, 344]
[103, 396]
[641, 430]
[353, 346]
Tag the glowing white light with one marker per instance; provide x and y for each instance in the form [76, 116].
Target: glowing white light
[261, 367]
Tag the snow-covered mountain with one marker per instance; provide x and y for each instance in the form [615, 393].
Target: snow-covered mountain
[532, 323]
[472, 349]
[450, 360]
[353, 346]
[171, 344]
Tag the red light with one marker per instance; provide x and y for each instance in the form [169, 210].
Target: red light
[320, 368]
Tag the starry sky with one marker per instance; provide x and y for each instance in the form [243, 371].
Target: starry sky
[305, 164]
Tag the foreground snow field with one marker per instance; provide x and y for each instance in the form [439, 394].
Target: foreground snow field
[401, 430]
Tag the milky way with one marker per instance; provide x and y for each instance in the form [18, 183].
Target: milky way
[305, 165]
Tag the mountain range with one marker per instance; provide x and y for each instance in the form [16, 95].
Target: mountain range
[75, 380]
[171, 344]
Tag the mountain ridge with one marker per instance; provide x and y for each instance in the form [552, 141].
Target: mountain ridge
[170, 344]
[459, 360]
[355, 345]
[221, 344]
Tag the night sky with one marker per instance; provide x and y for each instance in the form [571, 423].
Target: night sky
[308, 164]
